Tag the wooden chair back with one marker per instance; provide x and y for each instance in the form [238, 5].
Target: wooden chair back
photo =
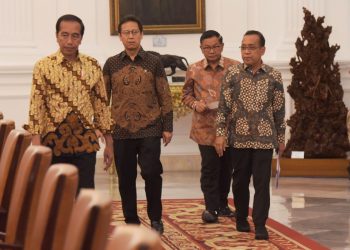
[27, 187]
[89, 223]
[16, 143]
[132, 237]
[5, 128]
[54, 209]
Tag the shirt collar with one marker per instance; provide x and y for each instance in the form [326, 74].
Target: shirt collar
[206, 64]
[60, 57]
[141, 54]
[262, 67]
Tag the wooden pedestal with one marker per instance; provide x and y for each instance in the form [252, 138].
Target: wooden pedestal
[312, 167]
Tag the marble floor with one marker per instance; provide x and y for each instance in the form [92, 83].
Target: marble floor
[316, 207]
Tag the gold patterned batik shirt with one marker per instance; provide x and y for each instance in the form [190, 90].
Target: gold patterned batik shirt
[255, 104]
[203, 83]
[64, 91]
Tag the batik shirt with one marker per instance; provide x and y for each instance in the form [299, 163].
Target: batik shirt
[255, 105]
[68, 102]
[140, 93]
[203, 83]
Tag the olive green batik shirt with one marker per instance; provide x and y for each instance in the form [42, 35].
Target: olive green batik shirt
[255, 105]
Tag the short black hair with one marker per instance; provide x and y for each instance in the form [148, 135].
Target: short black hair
[70, 18]
[129, 18]
[259, 34]
[210, 33]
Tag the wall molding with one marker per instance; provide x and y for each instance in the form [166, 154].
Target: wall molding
[16, 26]
[294, 20]
[16, 69]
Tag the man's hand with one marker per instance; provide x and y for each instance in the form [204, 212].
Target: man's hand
[167, 137]
[107, 157]
[281, 148]
[200, 106]
[220, 145]
[100, 135]
[108, 153]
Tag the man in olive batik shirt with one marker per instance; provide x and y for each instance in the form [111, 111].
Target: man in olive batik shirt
[68, 106]
[252, 97]
[142, 112]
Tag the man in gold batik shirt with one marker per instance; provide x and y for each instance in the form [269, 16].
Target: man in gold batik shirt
[68, 107]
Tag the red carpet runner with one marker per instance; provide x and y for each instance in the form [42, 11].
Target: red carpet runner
[184, 229]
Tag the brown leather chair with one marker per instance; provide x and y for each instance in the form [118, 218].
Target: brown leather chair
[16, 143]
[89, 223]
[24, 200]
[132, 237]
[53, 212]
[5, 128]
[54, 209]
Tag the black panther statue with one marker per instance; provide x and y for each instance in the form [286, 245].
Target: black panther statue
[172, 61]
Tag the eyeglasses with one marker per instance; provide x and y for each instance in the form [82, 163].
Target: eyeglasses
[128, 32]
[208, 48]
[65, 36]
[248, 48]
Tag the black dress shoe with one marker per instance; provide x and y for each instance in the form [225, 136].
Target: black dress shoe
[242, 226]
[226, 212]
[158, 226]
[261, 233]
[132, 220]
[209, 216]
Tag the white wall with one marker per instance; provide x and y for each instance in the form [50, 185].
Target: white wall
[27, 33]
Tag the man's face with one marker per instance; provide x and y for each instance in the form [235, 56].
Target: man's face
[251, 50]
[130, 35]
[212, 49]
[69, 38]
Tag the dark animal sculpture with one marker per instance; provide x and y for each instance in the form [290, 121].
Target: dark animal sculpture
[172, 61]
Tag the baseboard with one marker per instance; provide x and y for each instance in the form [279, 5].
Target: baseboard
[289, 167]
[312, 167]
[181, 162]
[174, 162]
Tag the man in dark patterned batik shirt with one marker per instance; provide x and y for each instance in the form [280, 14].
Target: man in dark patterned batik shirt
[252, 96]
[142, 112]
[68, 106]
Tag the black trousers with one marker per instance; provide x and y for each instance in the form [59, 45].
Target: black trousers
[256, 163]
[85, 162]
[216, 174]
[145, 152]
